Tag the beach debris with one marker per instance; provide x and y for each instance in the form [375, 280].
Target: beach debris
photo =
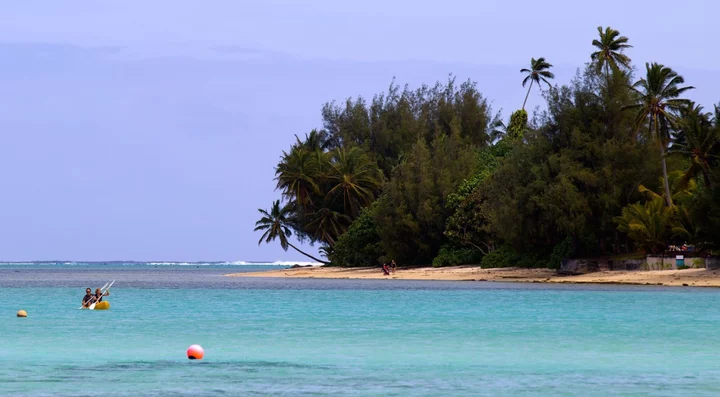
[195, 352]
[22, 313]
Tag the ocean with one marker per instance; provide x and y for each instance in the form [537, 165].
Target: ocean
[321, 337]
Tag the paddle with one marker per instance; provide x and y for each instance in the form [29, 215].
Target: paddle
[92, 306]
[103, 287]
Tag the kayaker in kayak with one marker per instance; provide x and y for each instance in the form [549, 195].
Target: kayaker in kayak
[88, 298]
[98, 295]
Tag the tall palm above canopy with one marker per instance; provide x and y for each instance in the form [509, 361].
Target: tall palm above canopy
[610, 49]
[537, 73]
[658, 104]
[274, 224]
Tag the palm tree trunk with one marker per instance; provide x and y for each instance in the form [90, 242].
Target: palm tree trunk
[668, 198]
[607, 77]
[528, 94]
[308, 255]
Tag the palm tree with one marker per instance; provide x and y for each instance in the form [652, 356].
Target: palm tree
[327, 225]
[609, 53]
[538, 72]
[354, 178]
[698, 140]
[652, 223]
[497, 128]
[682, 190]
[649, 225]
[275, 226]
[658, 103]
[298, 175]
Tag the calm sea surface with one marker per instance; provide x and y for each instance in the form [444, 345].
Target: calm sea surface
[347, 337]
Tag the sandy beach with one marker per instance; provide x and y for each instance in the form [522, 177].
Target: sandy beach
[687, 277]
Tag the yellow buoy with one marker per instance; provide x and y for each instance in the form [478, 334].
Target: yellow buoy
[22, 313]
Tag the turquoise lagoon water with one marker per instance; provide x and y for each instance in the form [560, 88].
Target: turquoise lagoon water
[347, 337]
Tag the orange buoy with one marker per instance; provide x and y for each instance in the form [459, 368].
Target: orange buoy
[195, 352]
[22, 313]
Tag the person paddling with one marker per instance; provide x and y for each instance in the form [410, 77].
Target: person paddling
[98, 295]
[87, 299]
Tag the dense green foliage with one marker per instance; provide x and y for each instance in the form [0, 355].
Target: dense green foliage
[452, 256]
[518, 124]
[614, 165]
[412, 215]
[360, 245]
[465, 227]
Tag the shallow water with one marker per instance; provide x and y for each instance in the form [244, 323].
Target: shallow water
[348, 337]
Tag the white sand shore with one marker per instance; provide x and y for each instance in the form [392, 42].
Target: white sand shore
[688, 277]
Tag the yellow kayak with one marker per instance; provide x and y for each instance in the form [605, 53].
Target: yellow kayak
[104, 305]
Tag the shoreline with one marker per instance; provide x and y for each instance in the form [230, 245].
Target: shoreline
[678, 278]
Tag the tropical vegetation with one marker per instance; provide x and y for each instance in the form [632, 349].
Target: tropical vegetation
[616, 164]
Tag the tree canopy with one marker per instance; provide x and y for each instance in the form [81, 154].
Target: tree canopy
[613, 165]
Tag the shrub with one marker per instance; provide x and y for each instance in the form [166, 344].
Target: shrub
[518, 124]
[561, 251]
[506, 256]
[360, 245]
[501, 257]
[453, 256]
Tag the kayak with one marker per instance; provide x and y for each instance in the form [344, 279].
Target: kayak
[103, 305]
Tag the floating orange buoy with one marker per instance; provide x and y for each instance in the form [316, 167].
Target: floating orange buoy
[22, 313]
[195, 352]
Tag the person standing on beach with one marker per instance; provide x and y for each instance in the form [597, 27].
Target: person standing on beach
[87, 299]
[393, 266]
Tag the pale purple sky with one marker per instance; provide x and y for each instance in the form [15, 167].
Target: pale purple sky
[149, 130]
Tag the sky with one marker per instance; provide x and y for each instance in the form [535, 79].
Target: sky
[150, 130]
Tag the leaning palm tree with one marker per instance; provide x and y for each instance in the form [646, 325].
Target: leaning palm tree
[275, 226]
[658, 104]
[537, 73]
[609, 51]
